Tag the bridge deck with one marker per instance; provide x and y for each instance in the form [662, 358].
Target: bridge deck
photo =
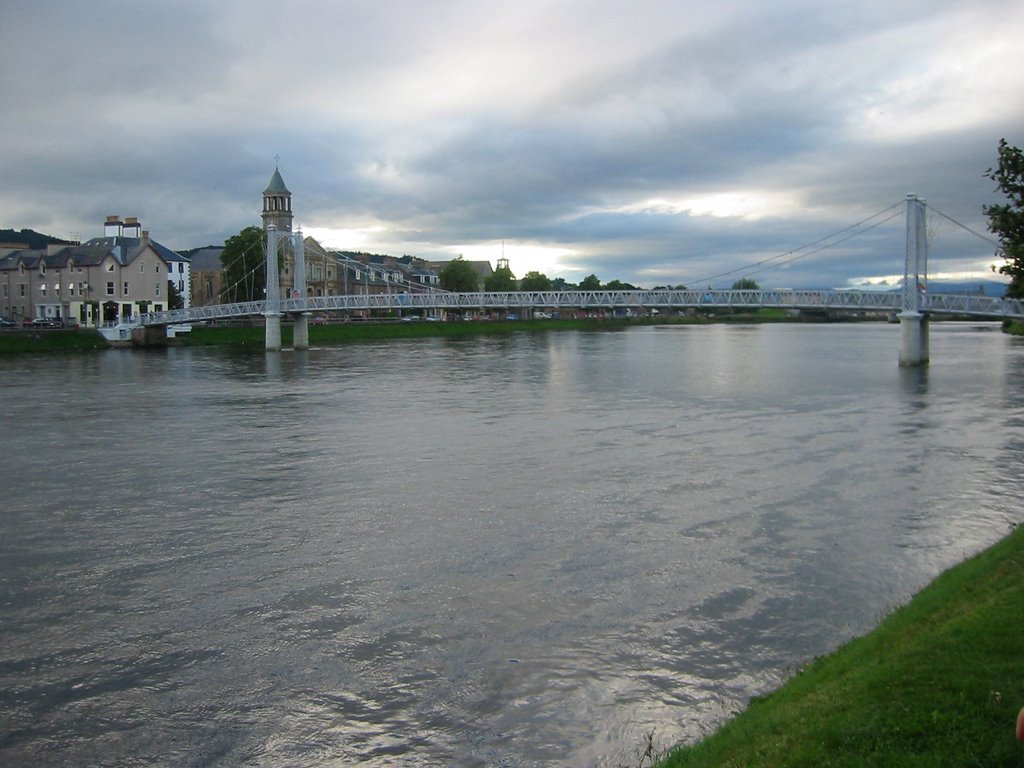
[982, 307]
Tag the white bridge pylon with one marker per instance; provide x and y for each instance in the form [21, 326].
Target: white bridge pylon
[913, 323]
[273, 306]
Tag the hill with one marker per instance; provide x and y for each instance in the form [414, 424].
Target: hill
[29, 238]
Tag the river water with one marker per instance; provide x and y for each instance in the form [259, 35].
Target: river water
[524, 550]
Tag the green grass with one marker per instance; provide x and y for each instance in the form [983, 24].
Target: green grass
[340, 333]
[938, 683]
[12, 342]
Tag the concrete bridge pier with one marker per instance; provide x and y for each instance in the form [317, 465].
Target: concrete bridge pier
[300, 331]
[273, 331]
[273, 311]
[913, 339]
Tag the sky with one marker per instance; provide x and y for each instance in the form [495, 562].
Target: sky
[654, 142]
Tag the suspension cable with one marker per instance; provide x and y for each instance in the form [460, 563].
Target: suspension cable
[794, 254]
[964, 227]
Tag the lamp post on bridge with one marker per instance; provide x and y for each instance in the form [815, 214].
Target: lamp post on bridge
[913, 323]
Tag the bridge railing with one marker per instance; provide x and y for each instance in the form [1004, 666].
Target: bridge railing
[666, 299]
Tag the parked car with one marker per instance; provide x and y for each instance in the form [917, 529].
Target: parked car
[5, 323]
[45, 322]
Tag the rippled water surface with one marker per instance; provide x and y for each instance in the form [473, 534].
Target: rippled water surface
[513, 551]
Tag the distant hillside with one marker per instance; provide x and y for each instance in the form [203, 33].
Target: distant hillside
[29, 237]
[193, 251]
[969, 287]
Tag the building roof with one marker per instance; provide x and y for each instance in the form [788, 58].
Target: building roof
[130, 246]
[88, 254]
[207, 259]
[276, 185]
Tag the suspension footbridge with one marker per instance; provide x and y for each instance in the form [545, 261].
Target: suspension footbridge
[912, 304]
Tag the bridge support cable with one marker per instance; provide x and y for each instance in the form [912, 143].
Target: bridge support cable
[914, 341]
[810, 249]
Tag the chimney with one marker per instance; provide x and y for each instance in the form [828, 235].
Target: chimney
[112, 227]
[132, 223]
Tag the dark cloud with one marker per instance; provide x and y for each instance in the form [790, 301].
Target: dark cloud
[662, 143]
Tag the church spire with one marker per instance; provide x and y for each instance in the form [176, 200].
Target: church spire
[277, 204]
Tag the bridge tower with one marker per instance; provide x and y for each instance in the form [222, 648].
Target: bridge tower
[914, 323]
[277, 204]
[284, 250]
[300, 328]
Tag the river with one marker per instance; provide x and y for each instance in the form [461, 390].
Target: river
[521, 550]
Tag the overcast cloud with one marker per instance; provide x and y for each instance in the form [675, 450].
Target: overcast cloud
[653, 142]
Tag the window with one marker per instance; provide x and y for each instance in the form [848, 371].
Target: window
[124, 289]
[157, 290]
[181, 266]
[42, 289]
[5, 290]
[21, 290]
[71, 289]
[158, 269]
[158, 307]
[142, 266]
[110, 288]
[181, 286]
[110, 267]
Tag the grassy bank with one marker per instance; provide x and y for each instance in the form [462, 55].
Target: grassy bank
[341, 333]
[1014, 328]
[20, 341]
[938, 683]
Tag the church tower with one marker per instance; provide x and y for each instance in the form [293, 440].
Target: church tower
[277, 204]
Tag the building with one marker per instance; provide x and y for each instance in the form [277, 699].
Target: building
[207, 276]
[333, 273]
[102, 281]
[483, 270]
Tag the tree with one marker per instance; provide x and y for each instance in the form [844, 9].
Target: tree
[501, 279]
[618, 285]
[174, 298]
[245, 266]
[746, 284]
[458, 276]
[590, 283]
[1006, 221]
[535, 281]
[560, 284]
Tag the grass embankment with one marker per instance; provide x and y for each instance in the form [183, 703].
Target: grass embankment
[370, 331]
[1014, 328]
[339, 333]
[938, 683]
[50, 341]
